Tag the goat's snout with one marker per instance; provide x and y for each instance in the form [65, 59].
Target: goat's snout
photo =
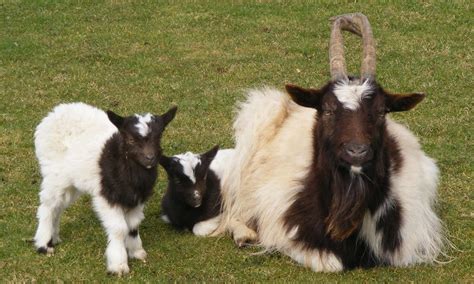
[357, 153]
[197, 198]
[150, 157]
[356, 150]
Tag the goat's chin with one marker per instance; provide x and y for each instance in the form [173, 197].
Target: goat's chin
[356, 169]
[146, 165]
[194, 205]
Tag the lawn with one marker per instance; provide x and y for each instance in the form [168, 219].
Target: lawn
[201, 56]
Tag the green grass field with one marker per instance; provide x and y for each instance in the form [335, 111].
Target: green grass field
[145, 57]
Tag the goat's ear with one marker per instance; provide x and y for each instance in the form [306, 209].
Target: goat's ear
[305, 97]
[169, 115]
[165, 162]
[116, 119]
[207, 157]
[402, 102]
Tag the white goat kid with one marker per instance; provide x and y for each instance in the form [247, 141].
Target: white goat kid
[82, 149]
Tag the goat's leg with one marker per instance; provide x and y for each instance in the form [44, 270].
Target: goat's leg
[133, 242]
[207, 227]
[113, 220]
[69, 196]
[49, 211]
[317, 260]
[242, 234]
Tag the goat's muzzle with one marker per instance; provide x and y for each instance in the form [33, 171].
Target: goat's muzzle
[195, 199]
[356, 154]
[148, 158]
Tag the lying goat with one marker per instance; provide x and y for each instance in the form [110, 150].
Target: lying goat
[327, 178]
[82, 149]
[193, 198]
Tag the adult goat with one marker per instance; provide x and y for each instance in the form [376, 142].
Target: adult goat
[325, 177]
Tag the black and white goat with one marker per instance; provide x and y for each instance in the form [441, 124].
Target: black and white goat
[193, 198]
[327, 178]
[82, 149]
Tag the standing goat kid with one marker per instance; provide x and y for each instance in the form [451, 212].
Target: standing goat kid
[193, 198]
[82, 149]
[331, 181]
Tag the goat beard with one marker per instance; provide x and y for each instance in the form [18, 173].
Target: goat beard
[348, 206]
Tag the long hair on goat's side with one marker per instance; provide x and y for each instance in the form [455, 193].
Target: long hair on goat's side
[259, 118]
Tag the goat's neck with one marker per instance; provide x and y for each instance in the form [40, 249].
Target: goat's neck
[346, 196]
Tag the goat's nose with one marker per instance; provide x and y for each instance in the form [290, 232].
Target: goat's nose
[150, 157]
[357, 150]
[197, 199]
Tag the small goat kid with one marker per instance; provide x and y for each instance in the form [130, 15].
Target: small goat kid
[193, 198]
[82, 149]
[335, 184]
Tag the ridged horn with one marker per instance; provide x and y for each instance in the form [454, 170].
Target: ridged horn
[358, 24]
[337, 63]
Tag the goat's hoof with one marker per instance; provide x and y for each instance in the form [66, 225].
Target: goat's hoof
[246, 238]
[140, 255]
[245, 241]
[118, 270]
[241, 243]
[47, 250]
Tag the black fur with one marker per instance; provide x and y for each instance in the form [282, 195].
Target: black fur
[42, 250]
[389, 224]
[133, 233]
[124, 181]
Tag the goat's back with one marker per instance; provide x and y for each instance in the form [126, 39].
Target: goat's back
[70, 139]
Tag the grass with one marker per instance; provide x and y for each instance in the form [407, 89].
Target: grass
[201, 56]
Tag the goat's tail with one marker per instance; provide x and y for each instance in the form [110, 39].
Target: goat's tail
[259, 119]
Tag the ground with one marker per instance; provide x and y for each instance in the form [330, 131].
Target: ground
[145, 57]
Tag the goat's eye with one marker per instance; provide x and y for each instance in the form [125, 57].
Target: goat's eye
[328, 112]
[381, 113]
[130, 141]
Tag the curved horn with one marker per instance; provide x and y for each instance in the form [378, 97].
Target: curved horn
[337, 63]
[358, 24]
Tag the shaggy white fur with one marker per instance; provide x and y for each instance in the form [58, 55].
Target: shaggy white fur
[221, 161]
[273, 154]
